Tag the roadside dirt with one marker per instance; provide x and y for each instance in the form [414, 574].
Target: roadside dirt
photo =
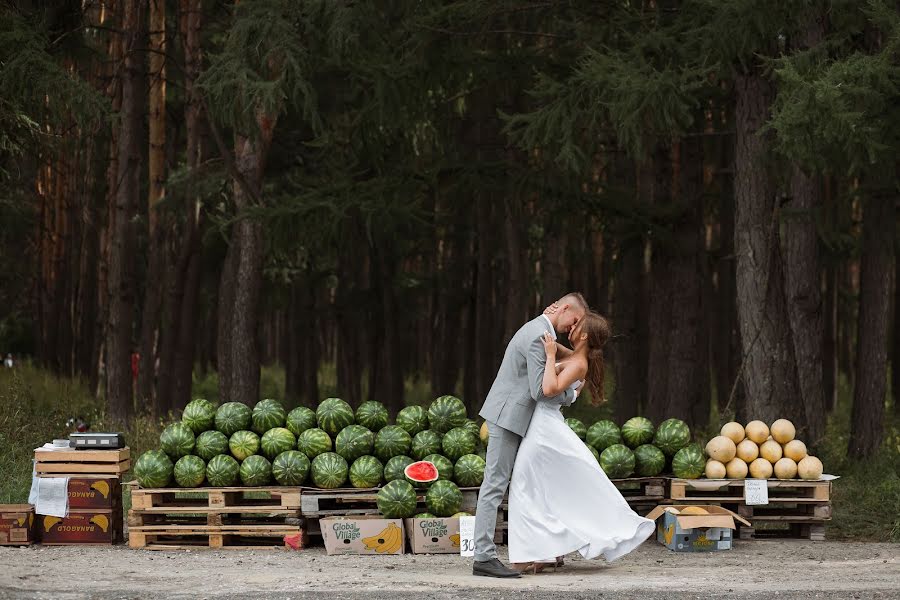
[759, 569]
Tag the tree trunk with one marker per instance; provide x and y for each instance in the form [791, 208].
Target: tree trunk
[122, 284]
[770, 368]
[879, 224]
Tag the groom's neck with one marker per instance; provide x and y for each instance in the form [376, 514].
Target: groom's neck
[552, 319]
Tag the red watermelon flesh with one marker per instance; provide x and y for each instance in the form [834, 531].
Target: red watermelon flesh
[421, 472]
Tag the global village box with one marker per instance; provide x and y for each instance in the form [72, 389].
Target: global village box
[363, 535]
[695, 528]
[16, 523]
[433, 536]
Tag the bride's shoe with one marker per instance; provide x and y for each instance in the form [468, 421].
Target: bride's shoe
[531, 567]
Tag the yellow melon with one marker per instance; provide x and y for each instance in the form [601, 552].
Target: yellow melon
[721, 448]
[785, 468]
[760, 469]
[736, 469]
[783, 431]
[733, 431]
[483, 433]
[715, 469]
[748, 451]
[795, 450]
[693, 510]
[757, 431]
[810, 468]
[771, 451]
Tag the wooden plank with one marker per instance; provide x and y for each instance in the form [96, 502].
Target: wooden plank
[285, 498]
[109, 456]
[85, 467]
[167, 510]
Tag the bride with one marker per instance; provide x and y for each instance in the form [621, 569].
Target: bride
[560, 500]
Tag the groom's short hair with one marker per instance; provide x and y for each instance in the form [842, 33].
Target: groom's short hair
[576, 299]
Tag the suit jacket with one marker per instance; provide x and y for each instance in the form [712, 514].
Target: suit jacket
[517, 388]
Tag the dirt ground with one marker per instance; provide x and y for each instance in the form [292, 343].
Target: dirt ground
[759, 569]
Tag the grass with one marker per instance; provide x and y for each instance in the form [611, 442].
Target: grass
[34, 408]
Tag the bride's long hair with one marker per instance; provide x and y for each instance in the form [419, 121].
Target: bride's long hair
[598, 331]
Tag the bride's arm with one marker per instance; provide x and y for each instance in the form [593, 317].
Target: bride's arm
[554, 384]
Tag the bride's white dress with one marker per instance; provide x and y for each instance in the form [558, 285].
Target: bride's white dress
[560, 500]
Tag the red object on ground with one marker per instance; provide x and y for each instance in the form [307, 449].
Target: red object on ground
[135, 361]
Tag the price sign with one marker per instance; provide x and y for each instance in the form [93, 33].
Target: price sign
[467, 536]
[756, 491]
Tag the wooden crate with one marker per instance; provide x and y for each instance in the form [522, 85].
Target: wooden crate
[316, 503]
[16, 524]
[184, 500]
[642, 490]
[258, 536]
[785, 520]
[715, 491]
[79, 462]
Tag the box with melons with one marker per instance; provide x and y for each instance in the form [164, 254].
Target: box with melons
[758, 451]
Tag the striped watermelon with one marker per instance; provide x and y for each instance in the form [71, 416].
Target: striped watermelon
[372, 415]
[394, 467]
[199, 415]
[290, 468]
[671, 436]
[222, 471]
[689, 462]
[354, 441]
[210, 443]
[413, 419]
[329, 470]
[445, 413]
[366, 472]
[243, 444]
[603, 434]
[277, 440]
[425, 443]
[469, 471]
[617, 461]
[637, 431]
[268, 414]
[313, 442]
[443, 464]
[190, 471]
[391, 441]
[396, 500]
[232, 417]
[443, 498]
[177, 440]
[333, 415]
[578, 426]
[458, 442]
[300, 419]
[256, 470]
[153, 469]
[649, 460]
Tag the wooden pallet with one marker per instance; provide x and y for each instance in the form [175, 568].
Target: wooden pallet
[715, 491]
[226, 537]
[158, 517]
[80, 462]
[785, 520]
[174, 500]
[642, 490]
[316, 503]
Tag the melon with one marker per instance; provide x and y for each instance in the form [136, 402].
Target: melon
[795, 450]
[760, 469]
[483, 433]
[809, 468]
[693, 510]
[733, 431]
[757, 431]
[785, 468]
[736, 469]
[715, 469]
[421, 472]
[783, 431]
[748, 451]
[721, 448]
[771, 451]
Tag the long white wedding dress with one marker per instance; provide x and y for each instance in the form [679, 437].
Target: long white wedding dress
[561, 501]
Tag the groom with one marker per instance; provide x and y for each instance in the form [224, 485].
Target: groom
[507, 411]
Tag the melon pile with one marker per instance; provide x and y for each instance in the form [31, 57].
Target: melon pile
[760, 452]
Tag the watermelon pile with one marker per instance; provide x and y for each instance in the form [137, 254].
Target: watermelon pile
[330, 447]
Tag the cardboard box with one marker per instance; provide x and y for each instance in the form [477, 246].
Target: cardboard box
[695, 533]
[363, 535]
[16, 524]
[98, 491]
[81, 527]
[433, 536]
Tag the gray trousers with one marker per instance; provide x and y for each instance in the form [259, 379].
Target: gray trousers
[503, 445]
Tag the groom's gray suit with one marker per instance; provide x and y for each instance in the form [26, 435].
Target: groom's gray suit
[508, 409]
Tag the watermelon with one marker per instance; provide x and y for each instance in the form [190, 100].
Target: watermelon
[421, 473]
[243, 444]
[391, 441]
[354, 441]
[290, 468]
[329, 470]
[412, 419]
[277, 440]
[256, 470]
[177, 440]
[603, 434]
[300, 419]
[445, 413]
[372, 415]
[333, 415]
[396, 500]
[473, 428]
[671, 436]
[637, 431]
[232, 417]
[689, 462]
[443, 464]
[458, 442]
[190, 471]
[425, 515]
[268, 414]
[617, 461]
[222, 471]
[394, 467]
[313, 442]
[199, 415]
[649, 460]
[594, 452]
[425, 443]
[210, 443]
[578, 426]
[443, 498]
[366, 472]
[153, 469]
[469, 470]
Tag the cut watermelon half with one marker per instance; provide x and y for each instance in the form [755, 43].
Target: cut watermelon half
[422, 471]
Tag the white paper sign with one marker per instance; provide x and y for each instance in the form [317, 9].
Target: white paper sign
[756, 491]
[467, 536]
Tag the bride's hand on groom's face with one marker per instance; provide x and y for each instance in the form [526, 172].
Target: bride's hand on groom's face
[549, 344]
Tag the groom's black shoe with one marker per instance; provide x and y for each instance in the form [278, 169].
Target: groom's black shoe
[493, 568]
